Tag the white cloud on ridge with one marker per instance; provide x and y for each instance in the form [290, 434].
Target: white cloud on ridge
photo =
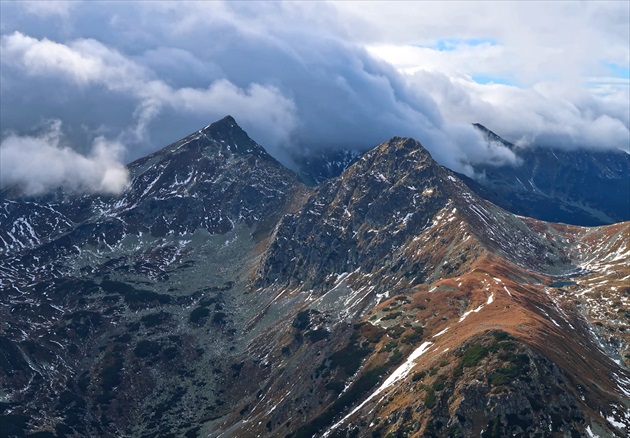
[545, 115]
[311, 76]
[38, 164]
[90, 63]
[346, 99]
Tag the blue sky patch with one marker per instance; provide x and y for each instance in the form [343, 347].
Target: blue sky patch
[449, 44]
[488, 79]
[618, 70]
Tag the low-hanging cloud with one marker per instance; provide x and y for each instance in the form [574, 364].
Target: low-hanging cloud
[88, 63]
[305, 101]
[38, 164]
[545, 115]
[294, 75]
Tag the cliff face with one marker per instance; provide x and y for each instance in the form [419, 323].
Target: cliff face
[220, 296]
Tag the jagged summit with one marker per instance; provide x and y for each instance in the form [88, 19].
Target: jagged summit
[227, 121]
[232, 137]
[401, 145]
[224, 137]
[384, 199]
[318, 166]
[392, 160]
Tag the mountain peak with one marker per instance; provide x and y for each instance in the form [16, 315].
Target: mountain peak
[226, 123]
[214, 255]
[402, 146]
[223, 136]
[580, 187]
[231, 137]
[491, 136]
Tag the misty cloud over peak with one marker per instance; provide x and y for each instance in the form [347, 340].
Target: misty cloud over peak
[298, 77]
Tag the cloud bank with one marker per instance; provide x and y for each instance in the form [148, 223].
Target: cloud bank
[544, 115]
[37, 164]
[302, 77]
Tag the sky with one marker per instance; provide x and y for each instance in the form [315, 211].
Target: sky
[86, 87]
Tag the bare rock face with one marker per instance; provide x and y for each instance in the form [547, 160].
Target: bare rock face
[379, 203]
[106, 298]
[219, 296]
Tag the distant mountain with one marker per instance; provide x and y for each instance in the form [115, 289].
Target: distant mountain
[580, 187]
[220, 296]
[317, 167]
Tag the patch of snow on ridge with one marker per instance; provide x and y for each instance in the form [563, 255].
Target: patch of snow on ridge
[400, 373]
[623, 384]
[463, 317]
[615, 423]
[441, 333]
[590, 433]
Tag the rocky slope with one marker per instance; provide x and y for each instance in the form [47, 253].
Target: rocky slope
[218, 296]
[131, 299]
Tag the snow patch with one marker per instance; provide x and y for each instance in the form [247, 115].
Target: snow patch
[400, 373]
[590, 433]
[440, 333]
[463, 317]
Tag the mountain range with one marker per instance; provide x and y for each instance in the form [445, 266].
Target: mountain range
[219, 295]
[587, 187]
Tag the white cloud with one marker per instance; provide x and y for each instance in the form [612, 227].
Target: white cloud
[37, 164]
[48, 8]
[484, 58]
[90, 63]
[561, 68]
[538, 40]
[546, 114]
[83, 61]
[304, 76]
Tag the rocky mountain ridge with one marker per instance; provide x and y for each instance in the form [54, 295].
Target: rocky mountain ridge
[399, 300]
[586, 187]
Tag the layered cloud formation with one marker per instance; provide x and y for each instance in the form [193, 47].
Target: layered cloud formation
[308, 76]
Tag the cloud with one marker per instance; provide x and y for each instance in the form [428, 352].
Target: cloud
[544, 115]
[302, 77]
[536, 41]
[88, 63]
[38, 164]
[48, 8]
[83, 61]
